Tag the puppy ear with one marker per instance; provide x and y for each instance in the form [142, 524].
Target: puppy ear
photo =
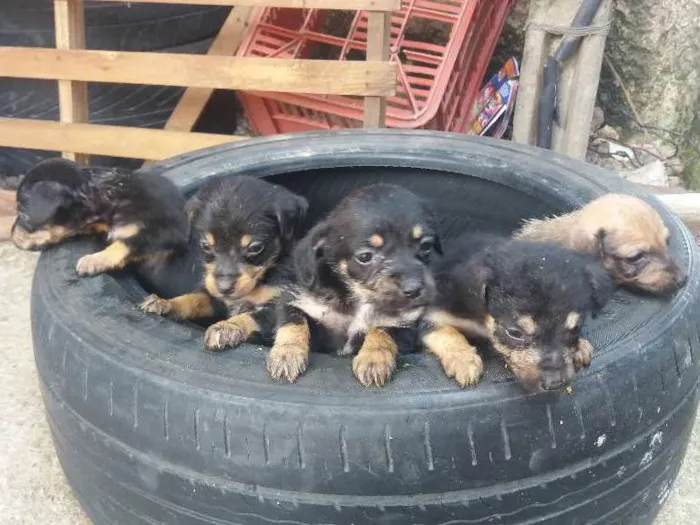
[46, 199]
[307, 254]
[193, 208]
[290, 213]
[600, 240]
[602, 287]
[479, 276]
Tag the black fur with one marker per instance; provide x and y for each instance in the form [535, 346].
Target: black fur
[81, 200]
[326, 268]
[244, 226]
[485, 275]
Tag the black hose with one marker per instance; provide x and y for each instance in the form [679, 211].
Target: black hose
[550, 73]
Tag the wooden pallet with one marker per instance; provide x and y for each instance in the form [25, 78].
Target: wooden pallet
[73, 66]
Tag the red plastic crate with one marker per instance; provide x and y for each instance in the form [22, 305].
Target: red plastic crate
[437, 83]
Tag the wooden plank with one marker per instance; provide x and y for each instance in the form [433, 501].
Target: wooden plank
[534, 55]
[226, 43]
[216, 72]
[69, 20]
[365, 5]
[116, 141]
[193, 100]
[582, 90]
[378, 37]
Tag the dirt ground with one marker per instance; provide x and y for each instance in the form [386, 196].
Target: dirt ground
[33, 490]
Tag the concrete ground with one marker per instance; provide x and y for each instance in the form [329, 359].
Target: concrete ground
[32, 487]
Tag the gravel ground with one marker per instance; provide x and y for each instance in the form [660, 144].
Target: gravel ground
[33, 490]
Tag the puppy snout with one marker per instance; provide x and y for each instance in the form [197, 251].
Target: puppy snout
[552, 381]
[553, 371]
[226, 283]
[679, 277]
[412, 287]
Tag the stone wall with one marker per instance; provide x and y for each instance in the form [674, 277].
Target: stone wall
[654, 45]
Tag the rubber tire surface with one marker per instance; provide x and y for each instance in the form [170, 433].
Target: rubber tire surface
[149, 428]
[111, 26]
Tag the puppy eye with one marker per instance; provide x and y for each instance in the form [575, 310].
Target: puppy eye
[426, 246]
[364, 257]
[205, 246]
[515, 334]
[635, 258]
[255, 248]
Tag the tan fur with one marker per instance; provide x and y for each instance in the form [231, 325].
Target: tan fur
[126, 231]
[458, 358]
[230, 332]
[114, 257]
[630, 226]
[98, 227]
[524, 362]
[417, 232]
[45, 237]
[376, 361]
[262, 294]
[469, 327]
[209, 238]
[188, 306]
[582, 355]
[248, 280]
[289, 355]
[376, 241]
[572, 320]
[210, 280]
[527, 323]
[246, 240]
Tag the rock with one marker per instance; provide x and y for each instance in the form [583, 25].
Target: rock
[607, 132]
[654, 48]
[598, 119]
[652, 174]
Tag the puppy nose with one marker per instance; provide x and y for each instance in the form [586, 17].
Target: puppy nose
[681, 278]
[552, 382]
[412, 288]
[226, 285]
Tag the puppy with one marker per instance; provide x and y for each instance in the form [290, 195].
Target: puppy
[143, 216]
[625, 232]
[528, 299]
[245, 226]
[362, 278]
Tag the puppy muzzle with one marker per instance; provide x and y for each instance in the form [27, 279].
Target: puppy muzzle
[555, 371]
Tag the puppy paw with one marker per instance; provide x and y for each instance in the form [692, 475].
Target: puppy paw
[91, 264]
[224, 334]
[155, 305]
[582, 356]
[287, 362]
[373, 368]
[464, 367]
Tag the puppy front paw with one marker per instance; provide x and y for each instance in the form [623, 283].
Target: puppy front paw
[91, 264]
[582, 355]
[224, 334]
[155, 305]
[465, 367]
[287, 361]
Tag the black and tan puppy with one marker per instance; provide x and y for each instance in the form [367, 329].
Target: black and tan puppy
[528, 299]
[362, 276]
[143, 216]
[624, 232]
[246, 226]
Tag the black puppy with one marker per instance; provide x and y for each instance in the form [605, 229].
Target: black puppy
[246, 226]
[143, 216]
[361, 275]
[527, 298]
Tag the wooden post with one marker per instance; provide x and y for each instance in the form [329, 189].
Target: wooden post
[578, 80]
[69, 19]
[378, 41]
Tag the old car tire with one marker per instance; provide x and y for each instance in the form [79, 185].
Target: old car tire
[150, 428]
